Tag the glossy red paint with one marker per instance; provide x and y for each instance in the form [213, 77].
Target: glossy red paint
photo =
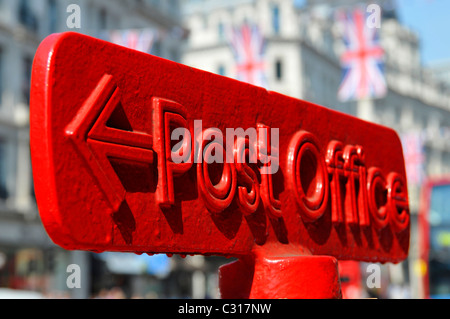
[294, 277]
[101, 123]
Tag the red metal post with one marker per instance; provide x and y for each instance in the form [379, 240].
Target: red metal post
[282, 277]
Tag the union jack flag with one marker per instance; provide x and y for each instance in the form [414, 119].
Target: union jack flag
[362, 61]
[140, 40]
[249, 48]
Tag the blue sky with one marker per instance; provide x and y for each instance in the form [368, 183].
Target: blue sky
[430, 19]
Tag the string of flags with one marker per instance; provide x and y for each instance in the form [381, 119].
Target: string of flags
[142, 40]
[362, 61]
[246, 42]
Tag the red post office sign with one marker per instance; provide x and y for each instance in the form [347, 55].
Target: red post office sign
[135, 153]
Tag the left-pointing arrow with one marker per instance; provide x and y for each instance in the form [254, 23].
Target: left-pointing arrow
[97, 143]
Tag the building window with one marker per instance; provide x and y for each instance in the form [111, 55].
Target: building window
[221, 31]
[32, 193]
[103, 19]
[278, 70]
[53, 16]
[174, 55]
[156, 49]
[26, 16]
[26, 82]
[3, 171]
[1, 75]
[173, 6]
[221, 70]
[276, 19]
[155, 3]
[205, 21]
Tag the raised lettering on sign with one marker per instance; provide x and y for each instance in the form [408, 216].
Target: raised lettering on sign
[306, 166]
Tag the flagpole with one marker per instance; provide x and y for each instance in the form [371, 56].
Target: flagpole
[365, 109]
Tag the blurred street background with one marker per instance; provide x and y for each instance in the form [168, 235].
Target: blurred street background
[301, 48]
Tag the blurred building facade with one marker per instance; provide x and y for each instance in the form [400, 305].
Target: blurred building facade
[441, 70]
[302, 59]
[28, 258]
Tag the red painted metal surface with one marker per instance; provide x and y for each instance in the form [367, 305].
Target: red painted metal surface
[102, 118]
[294, 277]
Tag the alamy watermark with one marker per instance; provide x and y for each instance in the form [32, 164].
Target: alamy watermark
[73, 280]
[373, 280]
[74, 19]
[253, 146]
[373, 20]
